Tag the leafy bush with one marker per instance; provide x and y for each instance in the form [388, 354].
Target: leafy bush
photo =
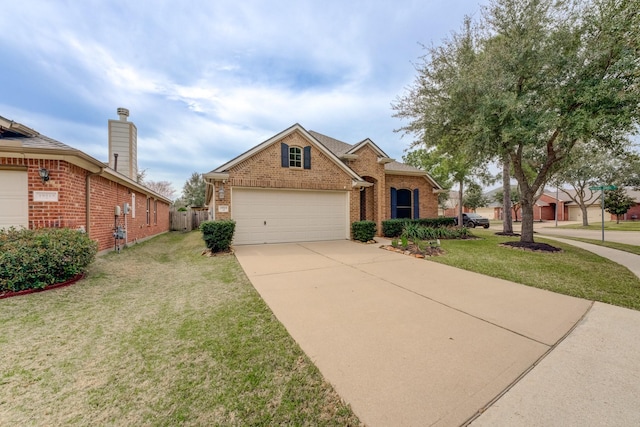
[34, 259]
[363, 230]
[218, 234]
[416, 232]
[395, 227]
[436, 222]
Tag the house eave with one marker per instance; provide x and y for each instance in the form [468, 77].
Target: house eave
[385, 160]
[349, 157]
[216, 176]
[361, 184]
[80, 159]
[415, 173]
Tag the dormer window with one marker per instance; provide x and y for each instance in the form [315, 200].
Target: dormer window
[295, 157]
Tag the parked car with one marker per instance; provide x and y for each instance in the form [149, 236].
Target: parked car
[472, 220]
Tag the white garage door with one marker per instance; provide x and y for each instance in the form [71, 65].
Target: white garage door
[594, 214]
[278, 216]
[14, 199]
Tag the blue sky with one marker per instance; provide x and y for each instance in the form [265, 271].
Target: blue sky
[206, 80]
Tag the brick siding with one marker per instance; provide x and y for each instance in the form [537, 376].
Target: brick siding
[69, 211]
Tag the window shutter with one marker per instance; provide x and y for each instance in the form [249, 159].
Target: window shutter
[394, 203]
[307, 157]
[284, 155]
[416, 203]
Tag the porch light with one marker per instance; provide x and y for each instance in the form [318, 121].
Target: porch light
[221, 192]
[44, 174]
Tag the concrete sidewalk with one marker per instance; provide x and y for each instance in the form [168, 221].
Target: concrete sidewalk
[592, 378]
[407, 342]
[627, 259]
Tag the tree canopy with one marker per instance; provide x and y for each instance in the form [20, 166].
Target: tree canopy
[193, 191]
[529, 81]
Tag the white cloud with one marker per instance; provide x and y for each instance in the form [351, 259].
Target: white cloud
[205, 80]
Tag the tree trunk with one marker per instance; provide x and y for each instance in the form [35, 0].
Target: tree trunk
[526, 205]
[507, 219]
[585, 216]
[460, 223]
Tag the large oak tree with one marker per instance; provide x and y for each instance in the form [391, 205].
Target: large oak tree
[537, 77]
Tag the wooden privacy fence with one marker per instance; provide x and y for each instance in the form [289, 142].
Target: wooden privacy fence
[187, 220]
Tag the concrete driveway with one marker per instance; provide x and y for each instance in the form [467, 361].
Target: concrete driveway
[407, 342]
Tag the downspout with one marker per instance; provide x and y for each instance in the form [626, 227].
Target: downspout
[87, 191]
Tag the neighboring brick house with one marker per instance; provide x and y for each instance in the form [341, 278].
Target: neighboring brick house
[300, 185]
[45, 183]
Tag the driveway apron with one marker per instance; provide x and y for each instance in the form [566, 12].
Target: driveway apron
[405, 341]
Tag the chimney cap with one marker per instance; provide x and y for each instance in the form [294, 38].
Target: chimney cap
[123, 113]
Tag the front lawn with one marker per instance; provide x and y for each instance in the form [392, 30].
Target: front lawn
[574, 271]
[157, 335]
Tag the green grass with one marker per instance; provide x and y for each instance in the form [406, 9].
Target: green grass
[157, 335]
[613, 245]
[574, 271]
[608, 225]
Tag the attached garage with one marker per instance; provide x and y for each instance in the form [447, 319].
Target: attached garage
[279, 216]
[594, 213]
[14, 198]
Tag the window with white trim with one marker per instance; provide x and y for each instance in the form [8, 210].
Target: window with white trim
[295, 157]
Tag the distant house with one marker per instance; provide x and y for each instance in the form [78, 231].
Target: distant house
[301, 185]
[46, 183]
[567, 210]
[594, 207]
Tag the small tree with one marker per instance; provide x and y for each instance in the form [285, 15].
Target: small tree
[161, 187]
[193, 190]
[473, 198]
[617, 202]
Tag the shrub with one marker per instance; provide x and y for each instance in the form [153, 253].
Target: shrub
[393, 227]
[436, 222]
[415, 232]
[363, 230]
[218, 234]
[34, 259]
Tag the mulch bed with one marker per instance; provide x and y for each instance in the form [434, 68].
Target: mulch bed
[532, 246]
[9, 294]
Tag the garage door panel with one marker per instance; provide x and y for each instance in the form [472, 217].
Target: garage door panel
[272, 216]
[14, 200]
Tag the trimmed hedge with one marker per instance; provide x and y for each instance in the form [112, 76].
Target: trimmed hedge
[394, 227]
[417, 232]
[363, 230]
[34, 259]
[218, 234]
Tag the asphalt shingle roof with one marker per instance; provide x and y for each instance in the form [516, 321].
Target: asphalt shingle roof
[38, 141]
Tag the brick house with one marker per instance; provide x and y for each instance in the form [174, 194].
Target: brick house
[45, 183]
[301, 185]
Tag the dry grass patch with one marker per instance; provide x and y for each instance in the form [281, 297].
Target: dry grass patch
[157, 335]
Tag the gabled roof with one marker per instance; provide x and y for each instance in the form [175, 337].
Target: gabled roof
[295, 128]
[333, 148]
[340, 149]
[369, 142]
